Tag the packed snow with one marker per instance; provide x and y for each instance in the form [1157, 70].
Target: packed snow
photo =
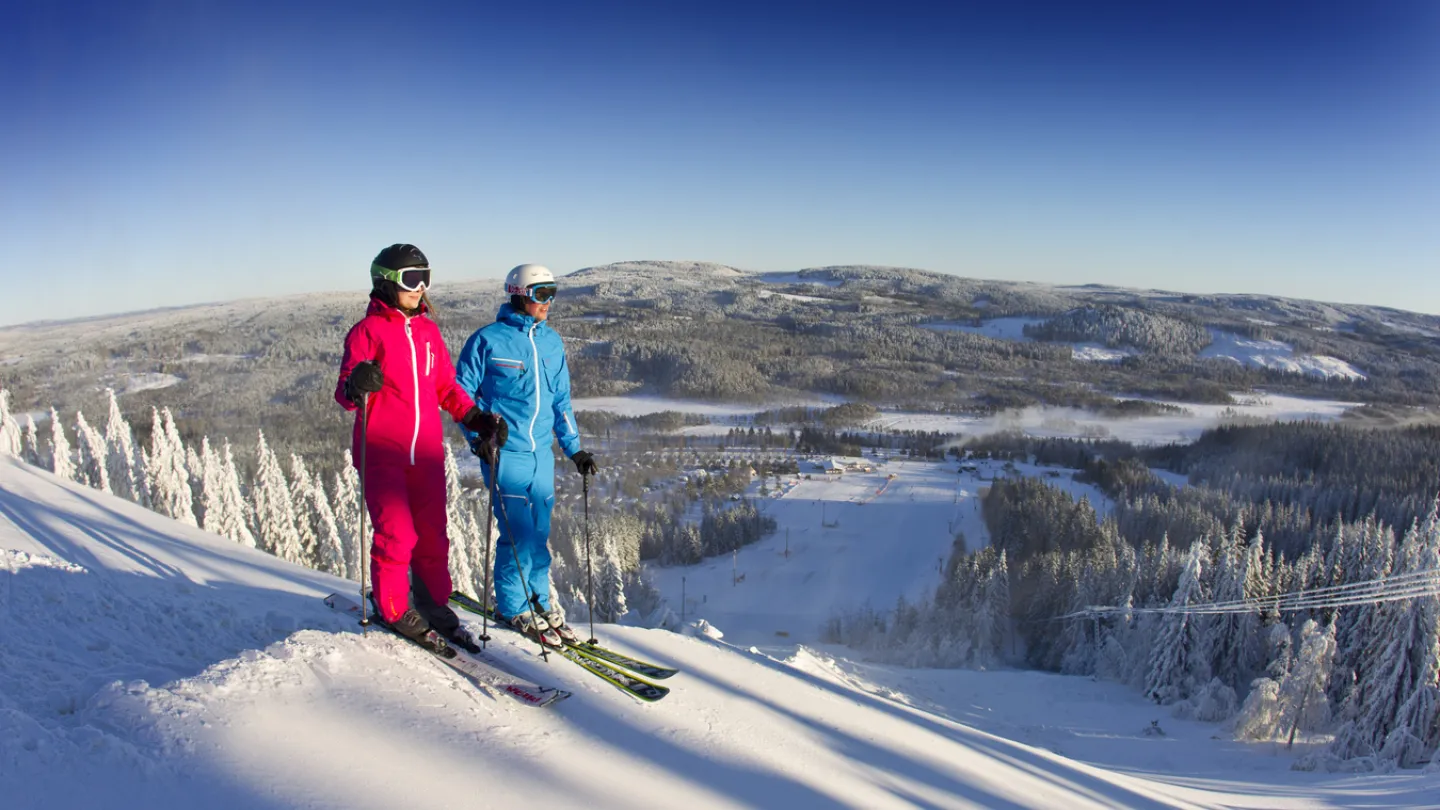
[135, 383]
[1277, 355]
[791, 296]
[147, 665]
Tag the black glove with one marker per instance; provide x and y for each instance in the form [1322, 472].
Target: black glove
[491, 432]
[365, 378]
[585, 463]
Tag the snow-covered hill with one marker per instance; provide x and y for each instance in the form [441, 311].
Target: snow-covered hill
[147, 665]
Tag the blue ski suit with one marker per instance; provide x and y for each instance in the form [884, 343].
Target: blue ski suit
[516, 368]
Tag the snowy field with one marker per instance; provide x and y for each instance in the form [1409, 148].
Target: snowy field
[853, 540]
[145, 665]
[1058, 422]
[1051, 422]
[1277, 355]
[642, 405]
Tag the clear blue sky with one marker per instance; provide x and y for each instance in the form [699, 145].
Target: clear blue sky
[163, 153]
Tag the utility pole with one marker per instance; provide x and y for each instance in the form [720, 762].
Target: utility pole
[682, 600]
[735, 567]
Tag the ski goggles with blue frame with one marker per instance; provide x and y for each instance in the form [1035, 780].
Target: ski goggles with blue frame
[541, 293]
[410, 279]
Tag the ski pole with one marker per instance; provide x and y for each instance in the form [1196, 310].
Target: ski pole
[489, 568]
[364, 547]
[530, 598]
[589, 568]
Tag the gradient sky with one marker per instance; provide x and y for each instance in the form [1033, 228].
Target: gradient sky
[163, 153]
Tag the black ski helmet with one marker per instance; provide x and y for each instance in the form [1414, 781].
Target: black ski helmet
[395, 257]
[399, 255]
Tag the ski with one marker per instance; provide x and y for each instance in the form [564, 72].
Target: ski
[633, 685]
[482, 671]
[635, 665]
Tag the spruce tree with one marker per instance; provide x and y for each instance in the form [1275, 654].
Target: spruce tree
[60, 461]
[120, 459]
[90, 455]
[274, 511]
[9, 428]
[169, 480]
[31, 448]
[1179, 660]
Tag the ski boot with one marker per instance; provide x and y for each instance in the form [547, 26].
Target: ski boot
[412, 626]
[556, 619]
[533, 625]
[465, 640]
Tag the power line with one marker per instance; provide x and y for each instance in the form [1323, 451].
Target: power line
[1411, 585]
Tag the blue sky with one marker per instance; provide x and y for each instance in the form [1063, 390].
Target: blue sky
[163, 153]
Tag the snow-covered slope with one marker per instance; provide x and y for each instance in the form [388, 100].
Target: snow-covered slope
[1277, 355]
[148, 665]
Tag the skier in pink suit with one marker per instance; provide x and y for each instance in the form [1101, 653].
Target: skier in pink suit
[396, 357]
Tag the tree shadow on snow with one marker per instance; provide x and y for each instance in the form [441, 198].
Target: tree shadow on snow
[1060, 773]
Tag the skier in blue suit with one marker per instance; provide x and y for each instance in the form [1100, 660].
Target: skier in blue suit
[516, 368]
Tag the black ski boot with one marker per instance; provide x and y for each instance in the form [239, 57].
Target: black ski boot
[412, 626]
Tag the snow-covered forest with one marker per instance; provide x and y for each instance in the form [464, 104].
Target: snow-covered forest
[1186, 595]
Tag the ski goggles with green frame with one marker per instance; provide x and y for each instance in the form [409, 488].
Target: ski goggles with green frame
[410, 279]
[541, 293]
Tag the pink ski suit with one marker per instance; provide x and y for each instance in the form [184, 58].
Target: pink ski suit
[405, 455]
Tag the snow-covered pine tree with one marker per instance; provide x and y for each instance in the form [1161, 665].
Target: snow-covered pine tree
[60, 461]
[329, 553]
[1394, 694]
[9, 427]
[1228, 576]
[466, 548]
[1260, 717]
[120, 460]
[90, 455]
[1302, 693]
[274, 511]
[997, 604]
[1413, 739]
[195, 469]
[1179, 660]
[347, 514]
[165, 471]
[31, 448]
[225, 507]
[304, 499]
[211, 471]
[609, 583]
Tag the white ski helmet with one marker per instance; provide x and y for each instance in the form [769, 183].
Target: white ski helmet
[521, 279]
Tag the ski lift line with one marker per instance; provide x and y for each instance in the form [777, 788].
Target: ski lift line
[1410, 585]
[1381, 585]
[1295, 603]
[1288, 607]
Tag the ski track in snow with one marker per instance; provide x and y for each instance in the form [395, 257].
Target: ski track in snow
[148, 665]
